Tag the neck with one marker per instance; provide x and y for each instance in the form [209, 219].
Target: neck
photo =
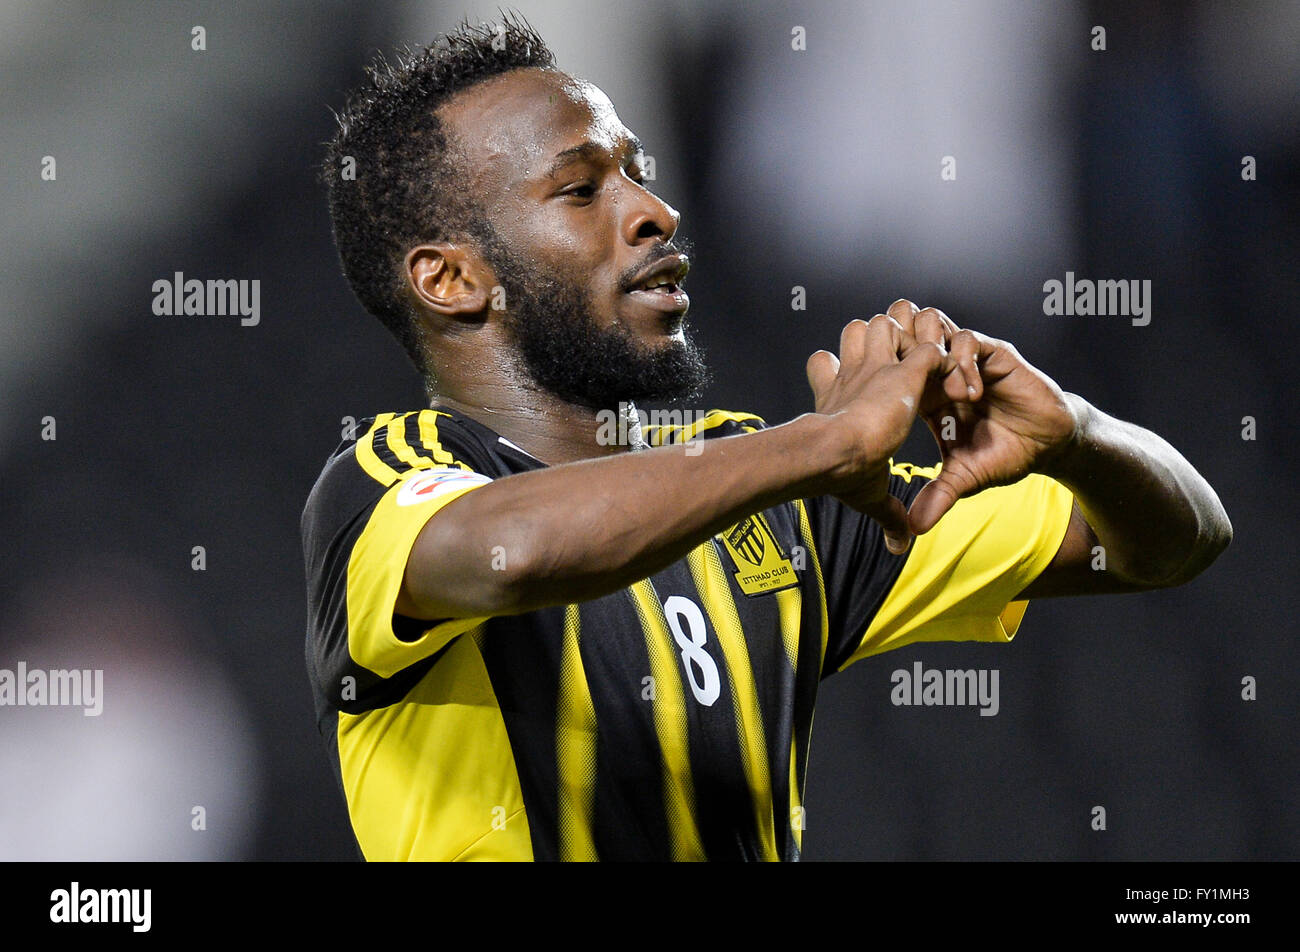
[546, 427]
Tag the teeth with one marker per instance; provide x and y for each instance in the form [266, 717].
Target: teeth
[656, 283]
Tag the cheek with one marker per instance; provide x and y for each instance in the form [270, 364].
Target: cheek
[575, 241]
[574, 245]
[553, 235]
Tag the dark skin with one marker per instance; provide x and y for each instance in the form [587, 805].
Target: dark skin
[513, 131]
[560, 175]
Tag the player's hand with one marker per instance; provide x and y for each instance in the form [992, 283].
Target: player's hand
[873, 391]
[995, 417]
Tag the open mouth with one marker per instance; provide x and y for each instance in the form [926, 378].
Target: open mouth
[661, 289]
[668, 297]
[664, 283]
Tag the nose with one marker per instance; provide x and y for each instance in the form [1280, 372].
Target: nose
[650, 217]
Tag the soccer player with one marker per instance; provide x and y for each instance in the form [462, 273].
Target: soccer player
[530, 640]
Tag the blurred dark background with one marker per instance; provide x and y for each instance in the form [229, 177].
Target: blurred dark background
[818, 168]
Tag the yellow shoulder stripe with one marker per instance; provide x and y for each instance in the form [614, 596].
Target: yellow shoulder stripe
[429, 453]
[402, 449]
[375, 467]
[432, 443]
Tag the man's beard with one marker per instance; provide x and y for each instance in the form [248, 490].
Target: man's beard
[566, 352]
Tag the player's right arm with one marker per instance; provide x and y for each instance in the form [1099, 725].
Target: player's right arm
[577, 531]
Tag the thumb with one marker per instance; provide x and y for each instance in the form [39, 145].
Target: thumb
[936, 498]
[891, 515]
[822, 369]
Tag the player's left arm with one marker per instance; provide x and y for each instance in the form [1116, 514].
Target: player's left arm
[1156, 518]
[1157, 521]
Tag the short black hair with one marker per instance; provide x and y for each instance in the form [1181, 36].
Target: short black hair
[406, 186]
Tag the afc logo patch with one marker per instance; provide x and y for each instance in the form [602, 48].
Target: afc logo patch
[423, 485]
[761, 563]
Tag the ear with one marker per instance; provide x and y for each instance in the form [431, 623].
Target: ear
[448, 279]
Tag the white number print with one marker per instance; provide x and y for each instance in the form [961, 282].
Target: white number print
[694, 657]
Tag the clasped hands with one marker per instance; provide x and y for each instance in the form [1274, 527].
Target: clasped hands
[994, 416]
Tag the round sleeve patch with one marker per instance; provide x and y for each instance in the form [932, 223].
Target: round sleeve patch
[428, 484]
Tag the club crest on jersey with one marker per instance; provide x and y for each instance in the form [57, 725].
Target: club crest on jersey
[432, 483]
[761, 563]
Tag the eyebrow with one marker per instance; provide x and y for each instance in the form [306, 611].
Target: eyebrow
[590, 151]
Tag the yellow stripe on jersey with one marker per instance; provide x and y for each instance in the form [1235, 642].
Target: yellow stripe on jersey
[395, 437]
[789, 604]
[429, 453]
[660, 434]
[908, 470]
[575, 748]
[810, 549]
[434, 778]
[714, 418]
[796, 797]
[790, 607]
[428, 422]
[375, 467]
[672, 433]
[375, 572]
[711, 584]
[960, 577]
[669, 708]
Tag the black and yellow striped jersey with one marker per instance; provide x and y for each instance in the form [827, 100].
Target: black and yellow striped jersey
[666, 721]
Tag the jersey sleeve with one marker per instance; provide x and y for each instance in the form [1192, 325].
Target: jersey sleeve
[359, 525]
[957, 582]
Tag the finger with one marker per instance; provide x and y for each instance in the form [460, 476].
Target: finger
[923, 361]
[891, 515]
[966, 349]
[956, 386]
[879, 343]
[822, 369]
[928, 328]
[886, 343]
[903, 311]
[910, 381]
[936, 498]
[948, 322]
[853, 344]
[927, 325]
